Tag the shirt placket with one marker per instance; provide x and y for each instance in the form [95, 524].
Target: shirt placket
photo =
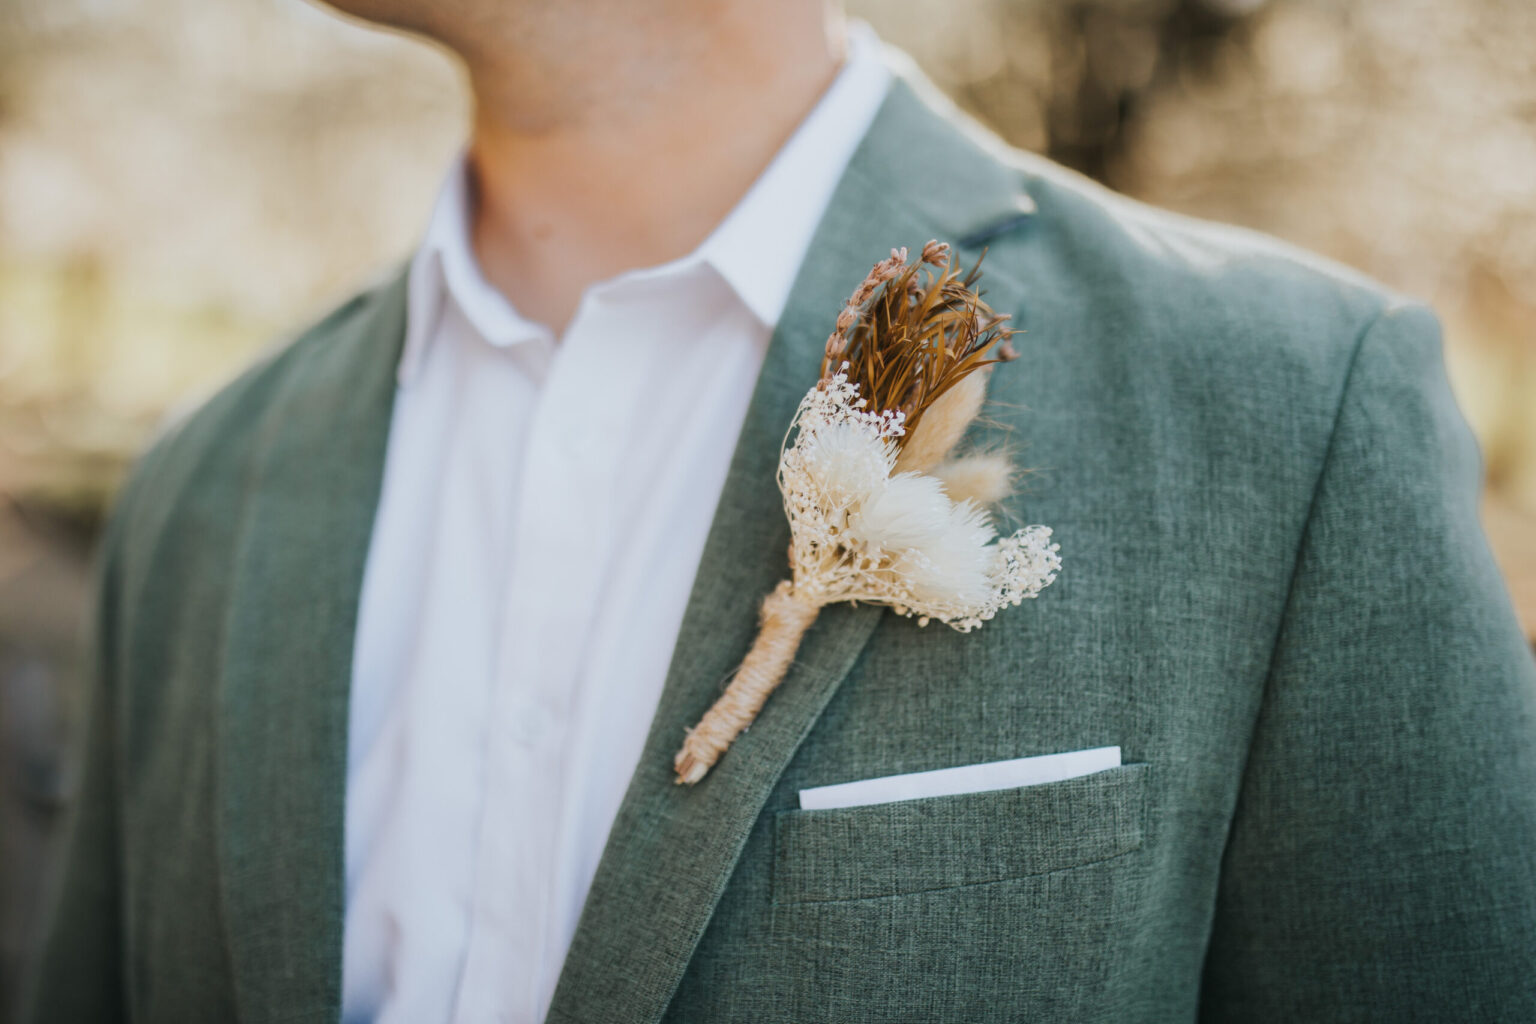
[559, 552]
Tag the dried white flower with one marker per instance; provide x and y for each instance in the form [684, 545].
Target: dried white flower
[861, 533]
[846, 465]
[908, 510]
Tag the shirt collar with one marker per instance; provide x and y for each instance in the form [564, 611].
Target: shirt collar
[444, 267]
[757, 249]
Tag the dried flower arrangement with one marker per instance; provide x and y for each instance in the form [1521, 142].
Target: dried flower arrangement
[879, 509]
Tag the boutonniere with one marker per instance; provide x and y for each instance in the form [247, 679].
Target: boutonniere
[880, 509]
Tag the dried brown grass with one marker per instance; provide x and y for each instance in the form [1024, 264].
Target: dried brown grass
[913, 331]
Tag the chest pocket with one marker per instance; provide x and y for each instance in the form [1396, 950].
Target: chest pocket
[945, 842]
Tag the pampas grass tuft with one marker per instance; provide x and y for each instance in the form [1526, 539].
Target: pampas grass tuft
[944, 424]
[985, 478]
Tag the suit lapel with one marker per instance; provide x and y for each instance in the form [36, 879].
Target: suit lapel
[313, 489]
[672, 849]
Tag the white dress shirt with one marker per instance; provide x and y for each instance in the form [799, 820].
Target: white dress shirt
[544, 509]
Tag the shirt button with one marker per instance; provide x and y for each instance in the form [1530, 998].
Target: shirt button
[529, 723]
[524, 731]
[583, 445]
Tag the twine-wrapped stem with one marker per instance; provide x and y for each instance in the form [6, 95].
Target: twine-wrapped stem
[785, 616]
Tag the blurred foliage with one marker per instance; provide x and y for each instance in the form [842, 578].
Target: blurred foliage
[179, 181]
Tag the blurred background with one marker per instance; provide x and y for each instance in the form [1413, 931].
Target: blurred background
[184, 181]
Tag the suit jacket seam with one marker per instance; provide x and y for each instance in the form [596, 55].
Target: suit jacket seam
[1324, 463]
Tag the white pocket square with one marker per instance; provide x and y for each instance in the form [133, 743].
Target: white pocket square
[970, 778]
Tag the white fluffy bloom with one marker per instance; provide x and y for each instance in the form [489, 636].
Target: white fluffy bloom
[908, 510]
[862, 534]
[958, 562]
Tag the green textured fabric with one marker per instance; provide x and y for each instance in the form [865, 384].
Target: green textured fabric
[1276, 599]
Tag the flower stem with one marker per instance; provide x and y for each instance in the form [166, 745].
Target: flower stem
[785, 616]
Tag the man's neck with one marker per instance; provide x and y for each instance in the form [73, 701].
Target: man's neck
[627, 154]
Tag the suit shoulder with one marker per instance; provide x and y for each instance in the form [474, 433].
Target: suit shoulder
[1220, 337]
[1194, 288]
[1142, 282]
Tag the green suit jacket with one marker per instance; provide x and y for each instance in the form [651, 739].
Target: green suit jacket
[1276, 599]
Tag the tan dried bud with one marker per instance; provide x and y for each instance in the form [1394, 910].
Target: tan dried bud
[936, 252]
